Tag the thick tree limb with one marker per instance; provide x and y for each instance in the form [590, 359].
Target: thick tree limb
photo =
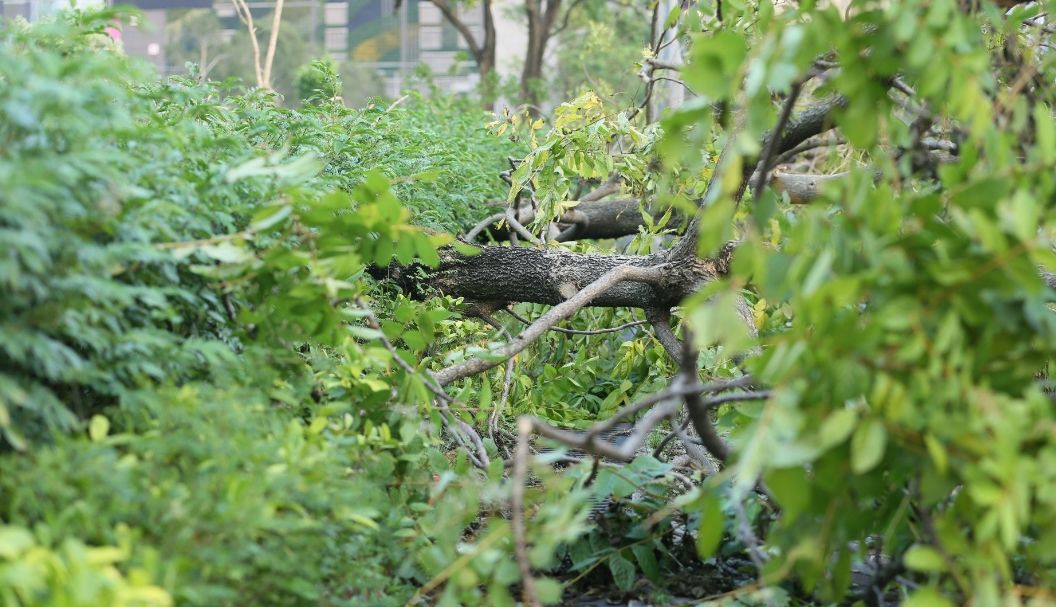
[604, 219]
[802, 189]
[512, 274]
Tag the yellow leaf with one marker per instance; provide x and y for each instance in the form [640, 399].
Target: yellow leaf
[98, 428]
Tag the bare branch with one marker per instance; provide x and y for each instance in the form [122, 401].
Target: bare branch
[247, 18]
[552, 317]
[661, 65]
[694, 451]
[774, 142]
[699, 411]
[520, 229]
[661, 321]
[517, 522]
[806, 146]
[611, 186]
[564, 21]
[588, 441]
[273, 41]
[801, 188]
[482, 225]
[451, 14]
[627, 325]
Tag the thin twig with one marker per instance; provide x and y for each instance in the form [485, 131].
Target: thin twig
[588, 443]
[517, 522]
[774, 143]
[478, 454]
[626, 325]
[555, 315]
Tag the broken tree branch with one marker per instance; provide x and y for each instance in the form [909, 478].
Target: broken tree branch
[588, 441]
[552, 317]
[616, 329]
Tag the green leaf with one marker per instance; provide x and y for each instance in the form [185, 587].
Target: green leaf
[14, 541]
[837, 427]
[867, 445]
[712, 525]
[226, 252]
[646, 558]
[923, 558]
[792, 489]
[715, 64]
[548, 590]
[269, 217]
[98, 428]
[928, 596]
[623, 571]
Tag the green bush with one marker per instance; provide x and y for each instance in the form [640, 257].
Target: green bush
[70, 575]
[318, 80]
[230, 500]
[182, 372]
[106, 171]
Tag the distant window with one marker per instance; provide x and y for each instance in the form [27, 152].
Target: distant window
[225, 11]
[430, 37]
[337, 13]
[336, 39]
[471, 15]
[428, 14]
[438, 62]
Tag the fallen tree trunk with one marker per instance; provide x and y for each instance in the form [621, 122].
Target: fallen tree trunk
[597, 220]
[499, 275]
[588, 220]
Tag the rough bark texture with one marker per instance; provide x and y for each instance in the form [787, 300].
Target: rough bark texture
[499, 275]
[608, 219]
[589, 220]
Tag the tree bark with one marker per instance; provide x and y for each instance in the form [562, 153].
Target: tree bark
[496, 276]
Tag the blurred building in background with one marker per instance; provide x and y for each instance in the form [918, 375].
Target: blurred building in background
[365, 35]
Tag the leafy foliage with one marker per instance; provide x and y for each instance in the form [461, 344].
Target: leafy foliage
[180, 268]
[184, 328]
[905, 323]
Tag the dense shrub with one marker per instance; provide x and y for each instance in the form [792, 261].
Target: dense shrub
[177, 268]
[102, 166]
